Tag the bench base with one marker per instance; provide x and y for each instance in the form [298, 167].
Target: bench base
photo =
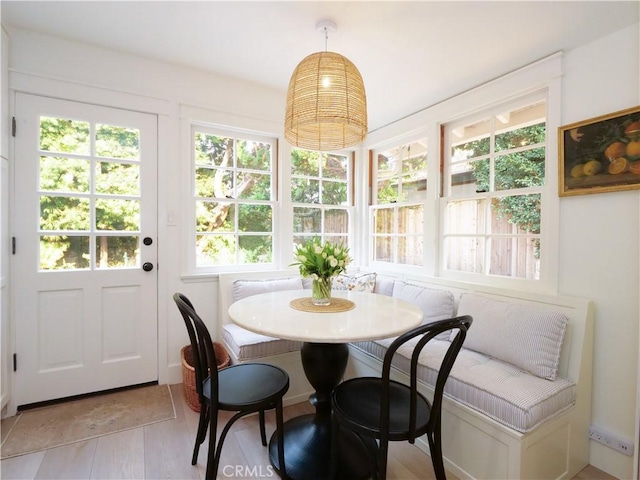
[475, 446]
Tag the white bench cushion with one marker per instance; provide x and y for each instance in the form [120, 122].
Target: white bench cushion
[526, 336]
[246, 345]
[501, 391]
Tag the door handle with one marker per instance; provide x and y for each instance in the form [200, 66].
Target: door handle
[147, 266]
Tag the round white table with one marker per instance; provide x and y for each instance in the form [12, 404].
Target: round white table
[307, 439]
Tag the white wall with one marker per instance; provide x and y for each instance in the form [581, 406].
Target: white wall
[599, 251]
[599, 242]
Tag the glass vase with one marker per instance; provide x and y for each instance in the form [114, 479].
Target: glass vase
[321, 291]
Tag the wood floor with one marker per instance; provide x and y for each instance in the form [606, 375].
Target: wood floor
[163, 451]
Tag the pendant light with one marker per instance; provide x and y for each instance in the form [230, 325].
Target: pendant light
[326, 103]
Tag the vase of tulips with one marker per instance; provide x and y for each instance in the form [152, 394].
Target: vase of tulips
[321, 262]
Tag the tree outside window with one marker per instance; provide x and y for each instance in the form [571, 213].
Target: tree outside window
[233, 194]
[321, 186]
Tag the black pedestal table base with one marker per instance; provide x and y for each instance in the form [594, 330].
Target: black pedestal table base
[307, 439]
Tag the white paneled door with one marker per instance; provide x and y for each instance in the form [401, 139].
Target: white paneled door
[84, 268]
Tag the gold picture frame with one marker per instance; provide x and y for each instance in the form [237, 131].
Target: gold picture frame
[601, 154]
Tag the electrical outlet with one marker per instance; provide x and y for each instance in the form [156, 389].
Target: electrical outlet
[620, 444]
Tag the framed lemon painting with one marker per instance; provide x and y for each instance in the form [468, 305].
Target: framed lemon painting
[601, 154]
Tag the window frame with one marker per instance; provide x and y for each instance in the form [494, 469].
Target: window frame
[236, 134]
[323, 207]
[548, 201]
[374, 206]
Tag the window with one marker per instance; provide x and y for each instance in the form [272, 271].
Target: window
[89, 187]
[398, 210]
[234, 198]
[321, 194]
[494, 191]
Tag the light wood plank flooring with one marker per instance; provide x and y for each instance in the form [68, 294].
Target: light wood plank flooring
[163, 451]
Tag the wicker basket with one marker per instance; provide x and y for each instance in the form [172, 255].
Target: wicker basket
[189, 372]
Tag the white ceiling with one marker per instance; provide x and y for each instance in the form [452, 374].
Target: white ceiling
[411, 54]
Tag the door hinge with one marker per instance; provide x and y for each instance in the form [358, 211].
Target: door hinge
[13, 126]
[13, 245]
[15, 362]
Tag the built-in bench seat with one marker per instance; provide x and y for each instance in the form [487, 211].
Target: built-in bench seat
[517, 402]
[501, 391]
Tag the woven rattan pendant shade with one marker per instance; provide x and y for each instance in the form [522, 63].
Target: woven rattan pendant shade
[326, 104]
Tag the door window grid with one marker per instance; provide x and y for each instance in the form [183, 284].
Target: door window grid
[494, 188]
[89, 190]
[233, 198]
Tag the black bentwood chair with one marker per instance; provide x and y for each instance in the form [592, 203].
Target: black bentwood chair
[391, 411]
[245, 388]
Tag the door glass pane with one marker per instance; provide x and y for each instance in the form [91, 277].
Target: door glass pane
[59, 174]
[117, 178]
[64, 213]
[61, 252]
[117, 142]
[117, 214]
[64, 135]
[117, 252]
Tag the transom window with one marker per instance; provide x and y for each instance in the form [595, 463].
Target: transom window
[494, 191]
[398, 207]
[234, 198]
[321, 194]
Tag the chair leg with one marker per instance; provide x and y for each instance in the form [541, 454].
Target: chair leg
[280, 436]
[436, 457]
[203, 423]
[383, 451]
[212, 458]
[263, 433]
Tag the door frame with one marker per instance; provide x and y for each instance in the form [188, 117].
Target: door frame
[167, 147]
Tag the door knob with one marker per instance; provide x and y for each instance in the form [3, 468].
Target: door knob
[147, 240]
[147, 266]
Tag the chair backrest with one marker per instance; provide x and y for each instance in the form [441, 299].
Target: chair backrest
[204, 357]
[459, 325]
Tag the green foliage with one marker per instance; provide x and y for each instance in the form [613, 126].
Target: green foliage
[512, 171]
[60, 176]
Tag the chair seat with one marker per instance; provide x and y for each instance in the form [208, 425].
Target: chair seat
[267, 384]
[358, 402]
